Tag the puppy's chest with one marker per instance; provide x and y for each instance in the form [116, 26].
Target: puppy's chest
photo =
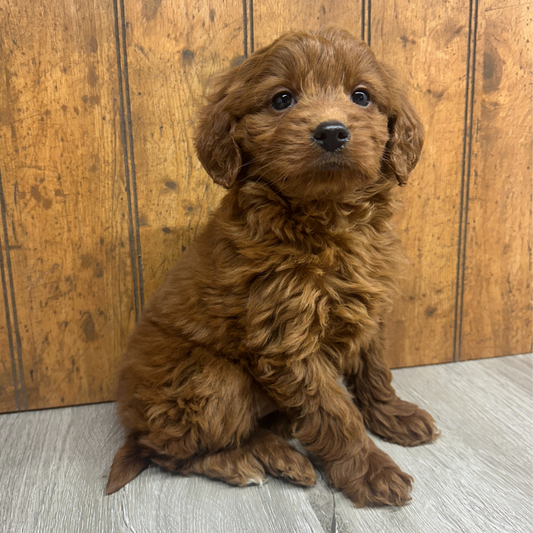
[317, 290]
[352, 276]
[329, 298]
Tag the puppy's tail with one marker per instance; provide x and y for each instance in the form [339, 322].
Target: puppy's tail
[128, 463]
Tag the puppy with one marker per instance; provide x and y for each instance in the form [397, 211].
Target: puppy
[283, 293]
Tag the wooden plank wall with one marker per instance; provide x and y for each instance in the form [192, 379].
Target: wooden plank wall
[67, 274]
[100, 189]
[497, 231]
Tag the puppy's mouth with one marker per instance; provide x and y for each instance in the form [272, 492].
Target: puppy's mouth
[333, 162]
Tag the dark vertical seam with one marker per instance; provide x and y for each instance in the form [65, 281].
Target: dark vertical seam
[468, 173]
[363, 9]
[245, 28]
[125, 156]
[129, 124]
[369, 22]
[251, 17]
[15, 348]
[465, 179]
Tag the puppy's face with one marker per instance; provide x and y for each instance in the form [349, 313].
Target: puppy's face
[313, 114]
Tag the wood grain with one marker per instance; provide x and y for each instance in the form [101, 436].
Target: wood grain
[60, 156]
[272, 17]
[173, 50]
[101, 190]
[476, 478]
[497, 303]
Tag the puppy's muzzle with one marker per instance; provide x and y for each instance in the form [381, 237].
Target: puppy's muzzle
[331, 135]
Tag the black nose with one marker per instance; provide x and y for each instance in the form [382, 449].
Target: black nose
[331, 135]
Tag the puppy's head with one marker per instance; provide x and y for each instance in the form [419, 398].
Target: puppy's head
[314, 114]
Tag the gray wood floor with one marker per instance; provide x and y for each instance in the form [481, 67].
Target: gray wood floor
[477, 478]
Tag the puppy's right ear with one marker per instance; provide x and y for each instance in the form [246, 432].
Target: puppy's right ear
[215, 142]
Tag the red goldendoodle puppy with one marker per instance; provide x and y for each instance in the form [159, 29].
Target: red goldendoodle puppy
[283, 293]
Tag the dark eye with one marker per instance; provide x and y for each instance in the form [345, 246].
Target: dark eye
[283, 100]
[361, 97]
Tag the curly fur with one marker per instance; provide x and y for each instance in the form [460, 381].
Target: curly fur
[283, 293]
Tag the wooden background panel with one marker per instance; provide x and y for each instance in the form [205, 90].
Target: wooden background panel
[271, 18]
[427, 44]
[497, 279]
[101, 190]
[60, 157]
[173, 50]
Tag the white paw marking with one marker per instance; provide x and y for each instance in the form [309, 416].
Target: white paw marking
[260, 482]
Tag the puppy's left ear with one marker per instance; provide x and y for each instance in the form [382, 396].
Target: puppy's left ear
[406, 138]
[215, 142]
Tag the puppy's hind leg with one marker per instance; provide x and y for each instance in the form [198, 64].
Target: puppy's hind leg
[280, 459]
[190, 412]
[234, 466]
[246, 465]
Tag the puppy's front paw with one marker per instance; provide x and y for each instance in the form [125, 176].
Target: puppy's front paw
[385, 483]
[377, 482]
[401, 422]
[418, 428]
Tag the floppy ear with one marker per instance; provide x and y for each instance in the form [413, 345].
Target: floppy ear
[406, 138]
[215, 142]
